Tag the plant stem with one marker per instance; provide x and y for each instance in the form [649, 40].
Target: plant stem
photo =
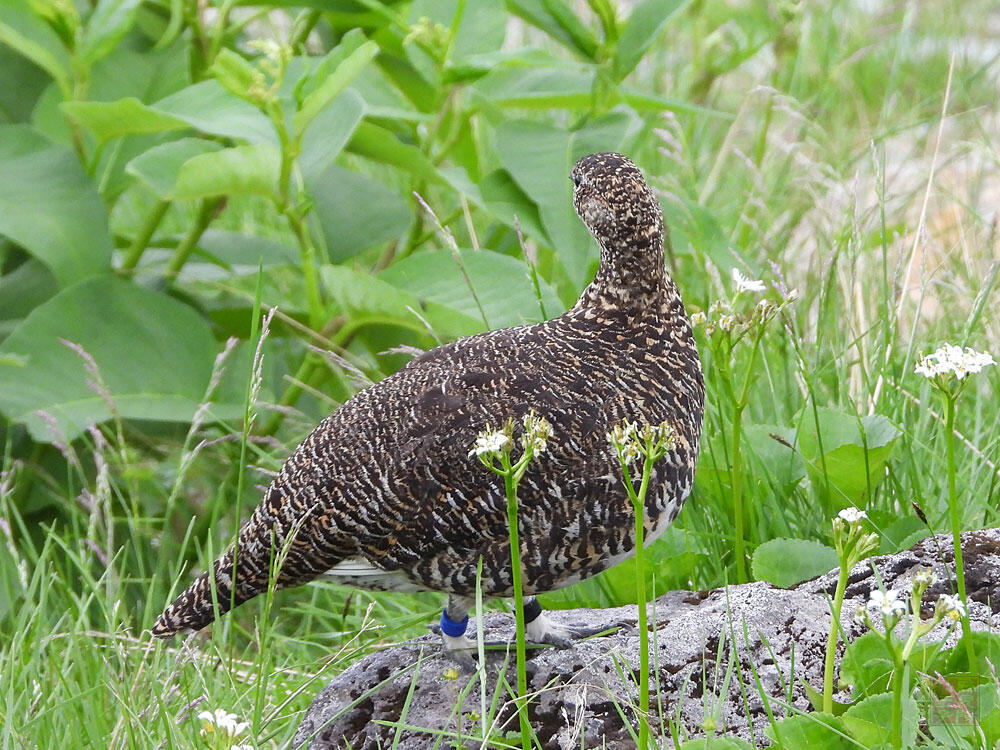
[898, 678]
[638, 505]
[831, 642]
[737, 483]
[206, 213]
[510, 486]
[141, 241]
[956, 520]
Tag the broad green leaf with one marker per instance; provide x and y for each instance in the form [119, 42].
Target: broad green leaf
[329, 134]
[846, 456]
[49, 206]
[815, 729]
[782, 464]
[208, 107]
[26, 32]
[717, 743]
[154, 353]
[129, 116]
[159, 166]
[437, 277]
[866, 665]
[503, 198]
[786, 562]
[106, 26]
[482, 27]
[547, 87]
[381, 145]
[356, 212]
[539, 157]
[557, 19]
[367, 300]
[986, 647]
[22, 289]
[21, 84]
[231, 171]
[876, 712]
[332, 85]
[645, 23]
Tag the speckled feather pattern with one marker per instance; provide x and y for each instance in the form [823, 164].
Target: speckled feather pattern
[388, 477]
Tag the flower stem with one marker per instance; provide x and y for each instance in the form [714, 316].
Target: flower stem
[209, 209]
[141, 241]
[897, 699]
[638, 505]
[831, 642]
[510, 486]
[956, 520]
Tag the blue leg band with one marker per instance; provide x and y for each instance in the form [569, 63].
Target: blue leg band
[452, 628]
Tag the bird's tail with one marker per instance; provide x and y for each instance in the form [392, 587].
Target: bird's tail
[226, 585]
[199, 604]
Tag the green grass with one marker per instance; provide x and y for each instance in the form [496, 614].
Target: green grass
[818, 159]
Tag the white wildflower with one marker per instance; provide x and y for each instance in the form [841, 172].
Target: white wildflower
[852, 515]
[924, 577]
[953, 359]
[698, 319]
[537, 432]
[221, 721]
[792, 295]
[887, 603]
[624, 438]
[951, 607]
[489, 442]
[726, 322]
[745, 283]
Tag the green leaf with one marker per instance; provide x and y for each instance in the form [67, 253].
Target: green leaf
[159, 166]
[786, 562]
[482, 27]
[557, 19]
[231, 171]
[645, 23]
[329, 133]
[866, 665]
[378, 144]
[356, 212]
[367, 300]
[106, 26]
[208, 107]
[26, 32]
[436, 276]
[129, 116]
[717, 743]
[986, 647]
[544, 87]
[846, 456]
[539, 157]
[154, 354]
[876, 712]
[811, 730]
[49, 206]
[332, 85]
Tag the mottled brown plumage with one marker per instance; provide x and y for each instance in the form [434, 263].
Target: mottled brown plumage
[386, 483]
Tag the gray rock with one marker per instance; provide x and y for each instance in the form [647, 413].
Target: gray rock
[713, 653]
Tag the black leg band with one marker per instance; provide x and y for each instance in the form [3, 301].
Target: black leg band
[531, 611]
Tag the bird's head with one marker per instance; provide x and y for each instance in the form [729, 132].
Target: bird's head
[613, 200]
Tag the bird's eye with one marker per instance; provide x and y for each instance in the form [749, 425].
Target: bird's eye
[575, 177]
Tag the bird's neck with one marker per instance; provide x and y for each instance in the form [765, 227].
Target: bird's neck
[631, 276]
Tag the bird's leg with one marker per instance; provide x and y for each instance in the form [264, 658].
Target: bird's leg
[539, 628]
[454, 621]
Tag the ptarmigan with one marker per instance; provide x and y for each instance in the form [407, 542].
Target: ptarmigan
[384, 494]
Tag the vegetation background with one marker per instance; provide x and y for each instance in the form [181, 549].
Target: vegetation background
[218, 221]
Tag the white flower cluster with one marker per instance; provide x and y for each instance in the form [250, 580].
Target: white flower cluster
[631, 441]
[888, 602]
[489, 442]
[537, 432]
[950, 606]
[745, 283]
[852, 515]
[221, 722]
[625, 437]
[954, 360]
